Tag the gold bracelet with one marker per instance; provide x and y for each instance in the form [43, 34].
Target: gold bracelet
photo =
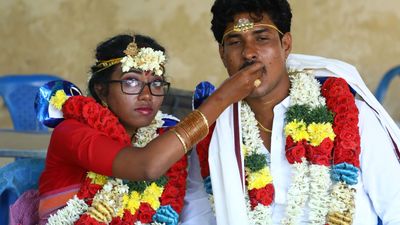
[194, 126]
[185, 149]
[202, 115]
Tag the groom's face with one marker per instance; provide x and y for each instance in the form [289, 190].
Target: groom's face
[262, 43]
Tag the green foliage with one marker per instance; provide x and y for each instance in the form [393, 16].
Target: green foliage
[319, 114]
[161, 181]
[255, 161]
[140, 186]
[298, 112]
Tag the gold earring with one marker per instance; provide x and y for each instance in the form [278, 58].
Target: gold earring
[104, 104]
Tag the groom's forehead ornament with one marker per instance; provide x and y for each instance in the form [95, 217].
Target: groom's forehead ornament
[244, 24]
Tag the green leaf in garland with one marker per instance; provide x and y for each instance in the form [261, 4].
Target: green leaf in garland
[298, 112]
[255, 162]
[138, 186]
[320, 115]
[161, 181]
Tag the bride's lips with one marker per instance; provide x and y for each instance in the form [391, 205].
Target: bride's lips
[144, 110]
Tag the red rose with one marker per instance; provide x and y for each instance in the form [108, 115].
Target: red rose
[347, 144]
[331, 102]
[295, 153]
[348, 154]
[342, 108]
[325, 148]
[336, 90]
[90, 111]
[348, 134]
[326, 86]
[177, 205]
[345, 155]
[117, 221]
[88, 191]
[202, 152]
[264, 196]
[320, 155]
[356, 162]
[253, 199]
[146, 213]
[337, 152]
[321, 160]
[348, 119]
[177, 175]
[345, 99]
[161, 130]
[85, 219]
[170, 191]
[289, 142]
[71, 108]
[128, 218]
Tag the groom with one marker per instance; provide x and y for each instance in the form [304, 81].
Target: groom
[259, 166]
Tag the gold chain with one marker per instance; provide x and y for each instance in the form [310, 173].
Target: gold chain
[263, 128]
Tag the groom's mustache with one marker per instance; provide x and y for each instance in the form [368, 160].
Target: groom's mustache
[247, 63]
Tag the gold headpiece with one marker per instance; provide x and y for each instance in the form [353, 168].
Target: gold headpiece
[131, 49]
[244, 24]
[145, 59]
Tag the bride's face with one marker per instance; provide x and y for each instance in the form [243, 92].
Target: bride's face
[131, 100]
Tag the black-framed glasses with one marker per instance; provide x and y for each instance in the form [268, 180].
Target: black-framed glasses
[135, 87]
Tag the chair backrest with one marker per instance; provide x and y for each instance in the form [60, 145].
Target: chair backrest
[18, 92]
[177, 103]
[16, 178]
[384, 83]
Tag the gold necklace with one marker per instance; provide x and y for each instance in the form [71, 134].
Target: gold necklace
[263, 128]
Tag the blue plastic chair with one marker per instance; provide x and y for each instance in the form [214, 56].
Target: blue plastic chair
[18, 93]
[384, 83]
[16, 178]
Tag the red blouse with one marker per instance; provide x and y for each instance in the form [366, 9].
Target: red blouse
[74, 149]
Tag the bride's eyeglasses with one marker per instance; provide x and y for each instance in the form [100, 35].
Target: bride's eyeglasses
[135, 87]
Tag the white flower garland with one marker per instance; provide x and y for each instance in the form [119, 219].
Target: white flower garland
[260, 215]
[305, 90]
[145, 134]
[70, 213]
[298, 192]
[320, 182]
[112, 191]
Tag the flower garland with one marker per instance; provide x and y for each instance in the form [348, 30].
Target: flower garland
[346, 162]
[145, 59]
[106, 200]
[260, 189]
[317, 134]
[309, 142]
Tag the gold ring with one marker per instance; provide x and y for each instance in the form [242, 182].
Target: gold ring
[257, 83]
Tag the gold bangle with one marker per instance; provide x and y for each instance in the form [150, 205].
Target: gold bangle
[185, 149]
[194, 126]
[203, 116]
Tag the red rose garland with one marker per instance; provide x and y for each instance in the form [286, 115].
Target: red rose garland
[347, 149]
[341, 101]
